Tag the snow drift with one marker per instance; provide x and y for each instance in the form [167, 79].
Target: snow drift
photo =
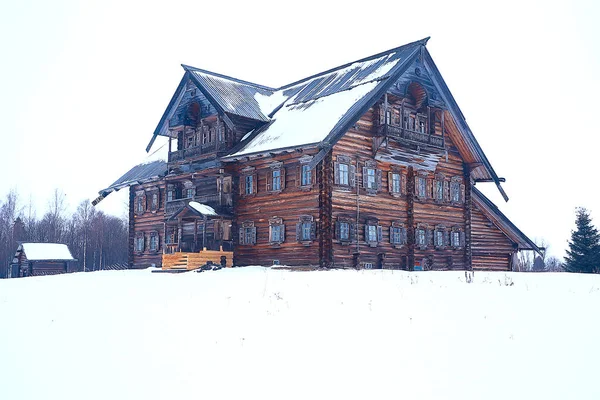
[264, 333]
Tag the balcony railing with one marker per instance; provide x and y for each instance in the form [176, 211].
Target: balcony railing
[213, 200]
[180, 155]
[400, 133]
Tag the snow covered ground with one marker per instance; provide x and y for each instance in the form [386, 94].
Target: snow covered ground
[277, 334]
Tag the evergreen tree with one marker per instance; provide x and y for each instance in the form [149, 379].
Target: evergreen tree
[584, 247]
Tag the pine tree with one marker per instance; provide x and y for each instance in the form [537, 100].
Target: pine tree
[584, 247]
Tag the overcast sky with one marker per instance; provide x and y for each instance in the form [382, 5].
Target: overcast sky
[84, 84]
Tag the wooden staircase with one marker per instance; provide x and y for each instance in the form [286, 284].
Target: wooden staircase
[190, 261]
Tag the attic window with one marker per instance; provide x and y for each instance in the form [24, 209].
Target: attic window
[193, 92]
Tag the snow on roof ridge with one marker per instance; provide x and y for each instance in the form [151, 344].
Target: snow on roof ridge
[46, 251]
[226, 77]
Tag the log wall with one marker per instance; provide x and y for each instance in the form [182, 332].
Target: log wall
[491, 248]
[288, 204]
[144, 223]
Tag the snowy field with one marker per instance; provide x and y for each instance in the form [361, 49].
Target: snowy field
[260, 333]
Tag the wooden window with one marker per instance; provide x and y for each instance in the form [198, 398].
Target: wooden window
[388, 116]
[139, 242]
[189, 193]
[344, 173]
[439, 190]
[371, 177]
[248, 181]
[395, 183]
[276, 231]
[421, 187]
[457, 237]
[306, 229]
[440, 237]
[398, 237]
[276, 174]
[344, 230]
[154, 243]
[306, 175]
[249, 184]
[276, 177]
[423, 236]
[140, 202]
[420, 238]
[373, 232]
[247, 233]
[457, 190]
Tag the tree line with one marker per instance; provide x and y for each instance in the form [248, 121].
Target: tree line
[96, 240]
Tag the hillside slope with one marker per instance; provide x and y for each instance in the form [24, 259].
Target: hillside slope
[276, 334]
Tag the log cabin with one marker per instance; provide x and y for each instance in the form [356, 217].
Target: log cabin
[37, 259]
[367, 165]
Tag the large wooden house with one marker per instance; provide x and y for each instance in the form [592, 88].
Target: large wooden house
[370, 164]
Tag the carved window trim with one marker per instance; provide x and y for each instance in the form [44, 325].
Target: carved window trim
[275, 178]
[247, 233]
[248, 177]
[140, 205]
[344, 172]
[171, 192]
[373, 232]
[372, 177]
[440, 237]
[457, 237]
[276, 222]
[398, 235]
[423, 236]
[305, 176]
[439, 188]
[154, 194]
[396, 183]
[153, 242]
[345, 224]
[171, 236]
[306, 230]
[457, 190]
[140, 243]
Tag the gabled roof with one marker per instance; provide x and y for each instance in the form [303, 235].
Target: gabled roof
[502, 222]
[196, 209]
[46, 252]
[318, 110]
[231, 95]
[151, 168]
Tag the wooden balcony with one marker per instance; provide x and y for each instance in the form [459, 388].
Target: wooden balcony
[403, 134]
[213, 200]
[180, 155]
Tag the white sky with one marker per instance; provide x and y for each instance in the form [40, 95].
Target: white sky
[84, 84]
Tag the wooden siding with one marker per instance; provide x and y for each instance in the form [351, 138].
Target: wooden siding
[359, 144]
[145, 223]
[287, 204]
[492, 249]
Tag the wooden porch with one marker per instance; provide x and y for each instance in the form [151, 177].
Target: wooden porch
[190, 261]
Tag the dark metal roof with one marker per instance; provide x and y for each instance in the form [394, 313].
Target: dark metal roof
[506, 225]
[232, 95]
[138, 174]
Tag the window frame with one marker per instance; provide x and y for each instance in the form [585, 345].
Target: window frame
[153, 238]
[457, 231]
[247, 234]
[376, 229]
[306, 222]
[277, 223]
[140, 237]
[401, 235]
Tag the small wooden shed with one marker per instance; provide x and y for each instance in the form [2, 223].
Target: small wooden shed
[35, 259]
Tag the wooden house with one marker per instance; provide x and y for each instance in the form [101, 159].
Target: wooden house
[36, 259]
[369, 164]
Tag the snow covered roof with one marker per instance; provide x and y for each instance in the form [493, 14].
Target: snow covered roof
[202, 208]
[232, 95]
[152, 166]
[308, 111]
[46, 251]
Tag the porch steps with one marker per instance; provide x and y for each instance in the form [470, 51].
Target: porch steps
[191, 261]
